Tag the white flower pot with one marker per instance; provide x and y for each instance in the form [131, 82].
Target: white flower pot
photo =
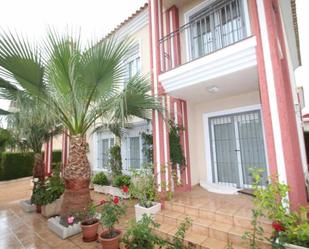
[52, 209]
[140, 211]
[27, 206]
[62, 231]
[290, 246]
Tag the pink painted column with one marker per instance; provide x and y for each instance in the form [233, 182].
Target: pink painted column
[160, 125]
[291, 144]
[283, 145]
[46, 155]
[65, 144]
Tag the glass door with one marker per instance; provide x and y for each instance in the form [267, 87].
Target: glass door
[237, 146]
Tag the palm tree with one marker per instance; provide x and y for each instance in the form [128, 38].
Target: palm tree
[32, 126]
[79, 86]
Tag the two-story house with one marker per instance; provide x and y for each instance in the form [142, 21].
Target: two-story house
[225, 71]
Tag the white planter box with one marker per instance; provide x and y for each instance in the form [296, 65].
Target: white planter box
[110, 190]
[63, 232]
[140, 211]
[289, 246]
[101, 189]
[27, 206]
[115, 191]
[52, 209]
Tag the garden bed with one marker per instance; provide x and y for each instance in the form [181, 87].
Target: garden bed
[110, 190]
[62, 231]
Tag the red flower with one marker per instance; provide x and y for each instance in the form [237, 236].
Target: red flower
[125, 189]
[277, 226]
[116, 200]
[102, 202]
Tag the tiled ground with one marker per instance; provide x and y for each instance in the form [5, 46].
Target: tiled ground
[217, 220]
[29, 231]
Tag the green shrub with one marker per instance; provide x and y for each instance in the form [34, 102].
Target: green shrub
[121, 180]
[100, 179]
[57, 156]
[16, 165]
[47, 192]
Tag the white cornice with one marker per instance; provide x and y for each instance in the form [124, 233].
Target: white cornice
[225, 61]
[137, 23]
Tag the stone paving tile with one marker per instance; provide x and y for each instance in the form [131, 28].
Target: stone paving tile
[29, 230]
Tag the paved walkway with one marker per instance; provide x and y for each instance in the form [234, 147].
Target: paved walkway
[29, 230]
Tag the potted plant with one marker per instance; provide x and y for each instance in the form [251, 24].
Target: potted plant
[100, 183]
[121, 184]
[38, 194]
[143, 188]
[110, 214]
[90, 222]
[52, 198]
[289, 229]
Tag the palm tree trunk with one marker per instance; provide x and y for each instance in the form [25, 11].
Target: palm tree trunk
[38, 167]
[76, 177]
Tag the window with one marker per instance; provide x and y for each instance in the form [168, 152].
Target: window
[133, 62]
[135, 153]
[105, 142]
[133, 148]
[216, 26]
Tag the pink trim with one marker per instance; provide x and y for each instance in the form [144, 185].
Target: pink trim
[64, 155]
[175, 25]
[46, 152]
[50, 156]
[187, 145]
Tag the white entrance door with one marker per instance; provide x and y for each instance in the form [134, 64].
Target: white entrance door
[237, 146]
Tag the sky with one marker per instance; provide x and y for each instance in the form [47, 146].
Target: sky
[96, 18]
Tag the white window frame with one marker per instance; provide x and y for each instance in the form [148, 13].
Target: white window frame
[201, 6]
[133, 57]
[103, 134]
[207, 140]
[135, 131]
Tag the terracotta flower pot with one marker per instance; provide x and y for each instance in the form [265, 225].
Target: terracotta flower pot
[90, 231]
[110, 243]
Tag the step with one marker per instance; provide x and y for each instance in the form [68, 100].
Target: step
[228, 215]
[202, 228]
[167, 231]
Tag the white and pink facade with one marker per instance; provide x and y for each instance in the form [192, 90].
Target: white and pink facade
[225, 72]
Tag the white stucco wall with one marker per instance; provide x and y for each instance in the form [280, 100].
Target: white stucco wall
[196, 128]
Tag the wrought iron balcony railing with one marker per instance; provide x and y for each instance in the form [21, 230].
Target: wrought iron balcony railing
[215, 27]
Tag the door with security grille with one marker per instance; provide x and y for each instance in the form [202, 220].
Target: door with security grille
[237, 146]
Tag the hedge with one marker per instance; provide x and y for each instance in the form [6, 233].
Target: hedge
[14, 165]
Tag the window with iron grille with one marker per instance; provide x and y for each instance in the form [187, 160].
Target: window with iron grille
[216, 26]
[133, 62]
[105, 141]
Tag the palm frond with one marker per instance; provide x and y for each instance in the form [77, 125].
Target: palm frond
[21, 63]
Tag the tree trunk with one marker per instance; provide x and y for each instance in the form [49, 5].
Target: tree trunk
[76, 177]
[38, 167]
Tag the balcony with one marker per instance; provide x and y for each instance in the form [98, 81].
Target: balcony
[214, 42]
[208, 30]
